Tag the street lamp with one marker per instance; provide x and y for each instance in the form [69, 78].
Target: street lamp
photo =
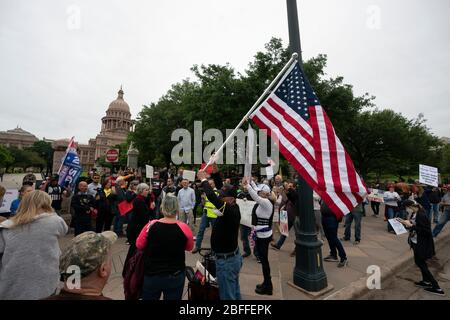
[308, 272]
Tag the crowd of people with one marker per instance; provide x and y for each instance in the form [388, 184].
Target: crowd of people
[159, 222]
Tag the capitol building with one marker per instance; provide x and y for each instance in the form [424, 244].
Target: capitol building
[116, 125]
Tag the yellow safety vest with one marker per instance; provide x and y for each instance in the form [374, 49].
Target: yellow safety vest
[209, 207]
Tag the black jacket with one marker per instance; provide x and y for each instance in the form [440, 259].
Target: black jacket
[224, 235]
[424, 248]
[81, 204]
[139, 218]
[106, 204]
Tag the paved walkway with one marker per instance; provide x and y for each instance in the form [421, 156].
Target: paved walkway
[377, 247]
[401, 286]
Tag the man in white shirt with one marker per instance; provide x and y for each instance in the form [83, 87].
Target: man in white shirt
[94, 185]
[391, 199]
[186, 201]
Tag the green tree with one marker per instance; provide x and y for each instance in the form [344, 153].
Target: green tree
[385, 141]
[6, 158]
[26, 158]
[45, 151]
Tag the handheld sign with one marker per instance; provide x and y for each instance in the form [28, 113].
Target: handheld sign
[149, 171]
[188, 174]
[397, 226]
[9, 197]
[428, 175]
[284, 226]
[246, 208]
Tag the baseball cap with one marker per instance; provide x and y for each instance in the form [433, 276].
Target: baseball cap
[263, 187]
[228, 191]
[87, 251]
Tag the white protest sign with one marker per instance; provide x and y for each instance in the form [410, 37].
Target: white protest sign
[188, 174]
[397, 226]
[246, 208]
[149, 171]
[284, 226]
[428, 175]
[376, 195]
[10, 196]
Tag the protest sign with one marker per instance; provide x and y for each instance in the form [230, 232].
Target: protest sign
[149, 171]
[246, 207]
[9, 197]
[376, 195]
[284, 226]
[397, 226]
[428, 175]
[188, 174]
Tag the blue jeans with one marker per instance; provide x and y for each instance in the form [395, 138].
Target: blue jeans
[357, 216]
[170, 285]
[227, 273]
[245, 233]
[390, 214]
[205, 223]
[330, 227]
[429, 213]
[444, 218]
[118, 223]
[435, 210]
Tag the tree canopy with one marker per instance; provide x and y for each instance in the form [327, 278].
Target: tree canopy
[377, 140]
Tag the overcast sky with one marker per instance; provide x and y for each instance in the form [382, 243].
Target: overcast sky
[62, 62]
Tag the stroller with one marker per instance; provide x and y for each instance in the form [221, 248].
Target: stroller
[202, 285]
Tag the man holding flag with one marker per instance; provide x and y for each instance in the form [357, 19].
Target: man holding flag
[294, 118]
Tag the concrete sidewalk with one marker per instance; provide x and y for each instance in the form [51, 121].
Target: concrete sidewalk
[378, 247]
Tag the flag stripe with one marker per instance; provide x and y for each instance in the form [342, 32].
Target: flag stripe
[301, 144]
[294, 119]
[301, 165]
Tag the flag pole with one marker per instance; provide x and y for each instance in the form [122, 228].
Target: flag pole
[309, 273]
[293, 59]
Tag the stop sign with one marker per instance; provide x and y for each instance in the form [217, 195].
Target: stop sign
[112, 155]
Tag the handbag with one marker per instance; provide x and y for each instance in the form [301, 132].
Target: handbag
[125, 207]
[134, 271]
[134, 276]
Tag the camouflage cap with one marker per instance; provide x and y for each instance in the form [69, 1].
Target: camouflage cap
[87, 251]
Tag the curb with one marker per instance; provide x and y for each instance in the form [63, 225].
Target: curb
[359, 288]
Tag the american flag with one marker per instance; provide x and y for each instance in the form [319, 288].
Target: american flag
[293, 116]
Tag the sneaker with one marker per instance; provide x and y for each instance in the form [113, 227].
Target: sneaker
[436, 291]
[257, 260]
[330, 258]
[194, 237]
[423, 284]
[274, 246]
[343, 263]
[195, 250]
[357, 242]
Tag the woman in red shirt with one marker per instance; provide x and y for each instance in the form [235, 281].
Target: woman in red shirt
[164, 242]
